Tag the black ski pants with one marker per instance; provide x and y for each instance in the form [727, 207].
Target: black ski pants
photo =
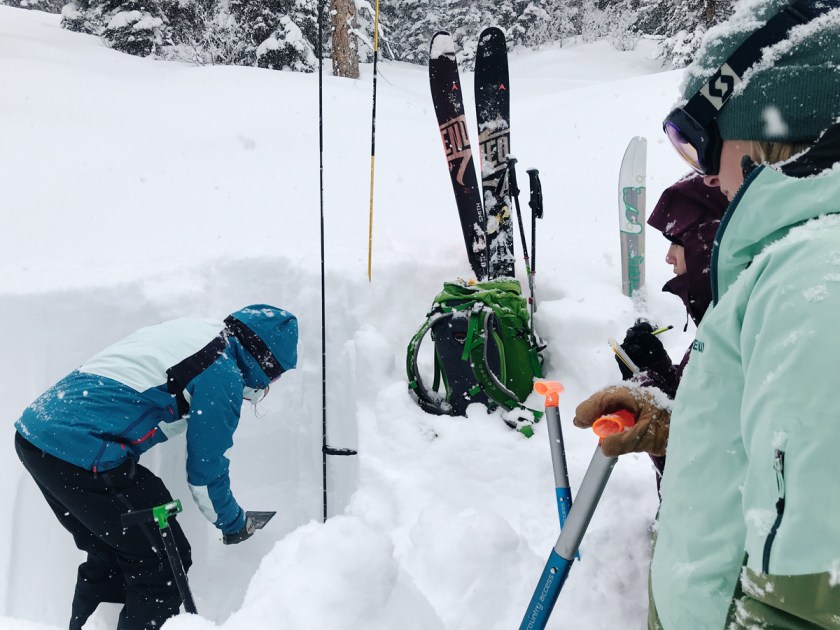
[125, 566]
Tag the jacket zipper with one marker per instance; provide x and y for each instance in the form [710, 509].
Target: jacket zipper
[779, 466]
[145, 415]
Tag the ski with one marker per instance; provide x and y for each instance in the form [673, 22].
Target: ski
[631, 216]
[449, 108]
[492, 105]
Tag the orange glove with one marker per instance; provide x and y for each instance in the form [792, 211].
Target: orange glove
[649, 435]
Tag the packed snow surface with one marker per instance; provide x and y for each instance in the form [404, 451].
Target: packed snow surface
[137, 190]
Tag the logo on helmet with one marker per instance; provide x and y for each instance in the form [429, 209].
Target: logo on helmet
[720, 87]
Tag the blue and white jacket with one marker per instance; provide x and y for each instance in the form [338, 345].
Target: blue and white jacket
[182, 375]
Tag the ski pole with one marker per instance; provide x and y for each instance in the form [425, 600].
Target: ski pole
[562, 555]
[552, 390]
[161, 515]
[513, 189]
[536, 204]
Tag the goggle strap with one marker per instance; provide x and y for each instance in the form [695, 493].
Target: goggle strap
[708, 101]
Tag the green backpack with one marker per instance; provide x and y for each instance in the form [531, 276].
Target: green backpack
[485, 351]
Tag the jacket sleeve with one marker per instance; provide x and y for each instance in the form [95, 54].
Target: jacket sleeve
[215, 405]
[663, 376]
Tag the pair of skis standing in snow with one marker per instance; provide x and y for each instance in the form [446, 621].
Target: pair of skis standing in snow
[488, 235]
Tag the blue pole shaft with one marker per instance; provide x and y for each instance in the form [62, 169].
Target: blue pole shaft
[558, 461]
[545, 595]
[560, 560]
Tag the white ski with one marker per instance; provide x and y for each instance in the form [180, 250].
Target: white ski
[631, 216]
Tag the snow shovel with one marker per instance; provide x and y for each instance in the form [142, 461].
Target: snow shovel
[161, 515]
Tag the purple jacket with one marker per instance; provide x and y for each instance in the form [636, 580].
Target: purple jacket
[688, 213]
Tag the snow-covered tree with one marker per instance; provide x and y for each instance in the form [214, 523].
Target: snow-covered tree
[539, 22]
[682, 23]
[48, 6]
[137, 27]
[287, 49]
[134, 29]
[622, 27]
[413, 24]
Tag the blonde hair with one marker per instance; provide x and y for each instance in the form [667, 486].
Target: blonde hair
[774, 152]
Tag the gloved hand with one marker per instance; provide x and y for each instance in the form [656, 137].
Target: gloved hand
[650, 433]
[243, 534]
[644, 348]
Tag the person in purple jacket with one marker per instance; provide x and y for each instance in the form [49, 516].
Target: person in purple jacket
[688, 214]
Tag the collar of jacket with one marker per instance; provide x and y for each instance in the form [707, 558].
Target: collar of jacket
[766, 207]
[821, 157]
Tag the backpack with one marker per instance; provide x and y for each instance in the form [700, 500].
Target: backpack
[484, 351]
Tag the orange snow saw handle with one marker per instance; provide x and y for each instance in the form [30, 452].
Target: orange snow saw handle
[612, 423]
[551, 390]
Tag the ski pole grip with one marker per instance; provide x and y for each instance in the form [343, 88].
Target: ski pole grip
[513, 185]
[612, 423]
[536, 201]
[551, 390]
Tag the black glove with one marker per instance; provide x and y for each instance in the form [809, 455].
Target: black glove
[243, 534]
[644, 349]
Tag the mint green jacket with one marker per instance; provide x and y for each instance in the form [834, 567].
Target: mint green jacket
[753, 472]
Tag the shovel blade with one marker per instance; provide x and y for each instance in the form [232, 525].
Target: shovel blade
[259, 519]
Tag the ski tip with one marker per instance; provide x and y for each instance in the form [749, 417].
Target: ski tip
[491, 32]
[442, 45]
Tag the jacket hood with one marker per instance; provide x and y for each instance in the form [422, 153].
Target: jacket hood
[770, 203]
[269, 336]
[689, 213]
[686, 205]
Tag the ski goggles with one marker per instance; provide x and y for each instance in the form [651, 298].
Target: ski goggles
[697, 143]
[692, 128]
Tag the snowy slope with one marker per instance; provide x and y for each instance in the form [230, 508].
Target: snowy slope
[135, 190]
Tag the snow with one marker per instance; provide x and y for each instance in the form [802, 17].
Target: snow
[136, 191]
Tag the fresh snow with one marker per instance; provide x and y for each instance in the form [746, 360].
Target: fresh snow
[137, 190]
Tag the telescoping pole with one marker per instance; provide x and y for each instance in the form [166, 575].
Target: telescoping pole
[373, 136]
[563, 554]
[326, 449]
[552, 390]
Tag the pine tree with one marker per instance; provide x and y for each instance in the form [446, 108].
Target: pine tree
[683, 23]
[538, 22]
[280, 34]
[413, 24]
[135, 27]
[48, 6]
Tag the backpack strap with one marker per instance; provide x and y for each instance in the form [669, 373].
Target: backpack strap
[429, 400]
[476, 345]
[483, 319]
